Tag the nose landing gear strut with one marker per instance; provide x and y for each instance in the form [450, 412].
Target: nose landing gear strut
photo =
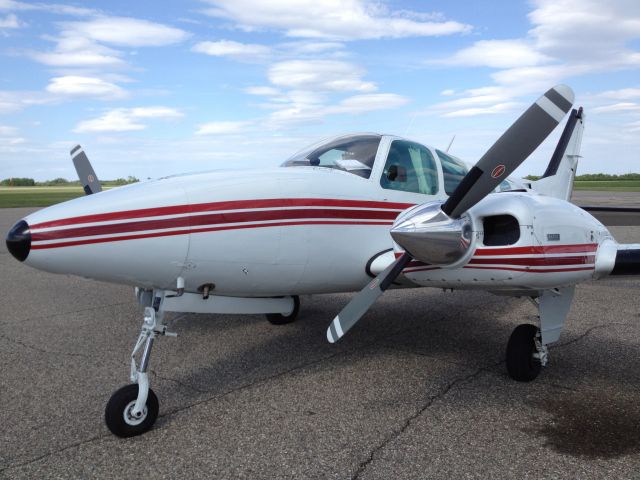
[133, 409]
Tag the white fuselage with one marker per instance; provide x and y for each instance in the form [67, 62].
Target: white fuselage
[274, 232]
[300, 230]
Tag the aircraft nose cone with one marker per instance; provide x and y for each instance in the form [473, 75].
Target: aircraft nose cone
[19, 240]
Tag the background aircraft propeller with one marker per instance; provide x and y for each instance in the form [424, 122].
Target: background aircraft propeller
[86, 174]
[504, 156]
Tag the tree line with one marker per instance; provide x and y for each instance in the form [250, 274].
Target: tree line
[597, 177]
[60, 182]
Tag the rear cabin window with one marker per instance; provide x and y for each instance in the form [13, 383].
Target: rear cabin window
[410, 167]
[453, 171]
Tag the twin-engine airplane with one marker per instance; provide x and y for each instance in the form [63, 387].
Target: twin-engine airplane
[252, 242]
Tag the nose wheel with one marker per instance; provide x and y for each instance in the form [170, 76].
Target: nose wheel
[120, 414]
[133, 409]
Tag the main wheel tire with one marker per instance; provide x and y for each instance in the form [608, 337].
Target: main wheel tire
[117, 414]
[279, 319]
[521, 364]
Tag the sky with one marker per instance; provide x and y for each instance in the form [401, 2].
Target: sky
[153, 88]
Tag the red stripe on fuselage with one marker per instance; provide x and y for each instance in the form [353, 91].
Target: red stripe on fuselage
[227, 205]
[210, 219]
[197, 230]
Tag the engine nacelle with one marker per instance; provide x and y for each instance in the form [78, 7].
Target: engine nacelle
[512, 240]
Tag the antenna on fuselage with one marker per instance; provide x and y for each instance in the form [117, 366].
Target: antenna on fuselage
[450, 143]
[406, 130]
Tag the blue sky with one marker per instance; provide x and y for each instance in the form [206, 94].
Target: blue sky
[156, 88]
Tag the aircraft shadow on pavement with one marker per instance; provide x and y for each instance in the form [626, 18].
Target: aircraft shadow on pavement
[575, 418]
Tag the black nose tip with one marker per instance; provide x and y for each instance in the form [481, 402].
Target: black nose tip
[19, 240]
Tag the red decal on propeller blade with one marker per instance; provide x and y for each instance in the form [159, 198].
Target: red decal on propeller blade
[498, 171]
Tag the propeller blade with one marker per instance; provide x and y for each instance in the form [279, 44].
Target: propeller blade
[85, 172]
[363, 300]
[511, 149]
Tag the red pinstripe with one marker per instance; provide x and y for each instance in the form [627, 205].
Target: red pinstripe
[541, 261]
[577, 248]
[227, 205]
[197, 230]
[532, 270]
[216, 218]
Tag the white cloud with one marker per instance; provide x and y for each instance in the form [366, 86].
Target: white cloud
[313, 112]
[47, 7]
[474, 102]
[82, 44]
[126, 119]
[6, 131]
[586, 30]
[310, 48]
[81, 86]
[228, 48]
[319, 75]
[9, 136]
[128, 32]
[306, 91]
[568, 38]
[266, 91]
[11, 22]
[334, 19]
[155, 112]
[498, 54]
[74, 50]
[221, 128]
[633, 127]
[622, 94]
[619, 107]
[13, 5]
[14, 101]
[114, 121]
[491, 109]
[367, 103]
[85, 58]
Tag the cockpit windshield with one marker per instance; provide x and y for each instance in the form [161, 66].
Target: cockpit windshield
[352, 153]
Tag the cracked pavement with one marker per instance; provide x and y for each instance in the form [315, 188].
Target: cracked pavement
[417, 390]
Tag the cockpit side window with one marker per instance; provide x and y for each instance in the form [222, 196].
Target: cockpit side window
[354, 154]
[453, 171]
[410, 167]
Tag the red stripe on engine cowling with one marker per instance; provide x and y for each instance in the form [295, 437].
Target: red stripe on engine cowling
[532, 270]
[576, 248]
[537, 262]
[532, 250]
[227, 205]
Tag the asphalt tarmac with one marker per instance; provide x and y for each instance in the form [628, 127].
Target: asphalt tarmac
[417, 390]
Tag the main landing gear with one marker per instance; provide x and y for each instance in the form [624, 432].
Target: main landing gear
[279, 319]
[527, 350]
[133, 409]
[525, 353]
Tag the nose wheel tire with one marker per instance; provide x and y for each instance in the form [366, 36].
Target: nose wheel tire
[279, 319]
[523, 363]
[119, 417]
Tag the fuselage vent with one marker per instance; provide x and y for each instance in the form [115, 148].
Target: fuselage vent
[500, 230]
